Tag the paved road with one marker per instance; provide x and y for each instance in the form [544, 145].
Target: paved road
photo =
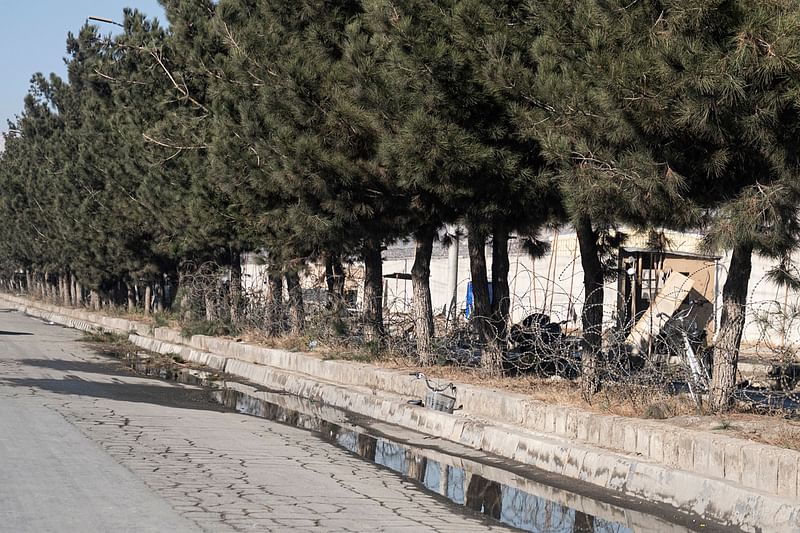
[86, 446]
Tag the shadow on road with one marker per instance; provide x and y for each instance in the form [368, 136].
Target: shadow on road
[160, 392]
[64, 365]
[14, 333]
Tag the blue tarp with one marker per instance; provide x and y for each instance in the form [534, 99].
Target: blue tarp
[471, 299]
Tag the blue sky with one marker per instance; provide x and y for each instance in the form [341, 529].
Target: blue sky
[33, 36]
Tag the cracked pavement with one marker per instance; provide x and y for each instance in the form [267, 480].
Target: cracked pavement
[86, 445]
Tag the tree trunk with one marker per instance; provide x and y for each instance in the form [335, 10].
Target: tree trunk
[131, 298]
[373, 293]
[236, 286]
[420, 281]
[48, 288]
[185, 303]
[481, 316]
[171, 285]
[119, 294]
[275, 304]
[68, 287]
[95, 299]
[734, 310]
[297, 312]
[29, 281]
[210, 305]
[334, 278]
[148, 298]
[78, 294]
[63, 285]
[53, 282]
[160, 294]
[501, 293]
[592, 315]
[41, 285]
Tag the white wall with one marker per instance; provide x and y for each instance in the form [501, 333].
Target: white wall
[554, 285]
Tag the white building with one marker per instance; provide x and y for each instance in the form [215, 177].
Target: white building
[553, 284]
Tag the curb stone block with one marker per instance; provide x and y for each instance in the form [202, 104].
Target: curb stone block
[787, 474]
[701, 453]
[630, 438]
[751, 455]
[549, 421]
[657, 439]
[716, 459]
[561, 421]
[685, 452]
[574, 462]
[593, 424]
[534, 415]
[768, 471]
[618, 435]
[733, 462]
[571, 424]
[606, 430]
[643, 435]
[618, 475]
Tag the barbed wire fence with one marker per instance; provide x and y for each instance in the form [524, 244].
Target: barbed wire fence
[648, 358]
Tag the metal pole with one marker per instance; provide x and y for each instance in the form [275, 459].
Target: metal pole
[452, 273]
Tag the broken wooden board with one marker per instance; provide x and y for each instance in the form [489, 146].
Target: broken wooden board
[664, 305]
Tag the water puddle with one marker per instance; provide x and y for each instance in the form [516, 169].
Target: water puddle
[514, 494]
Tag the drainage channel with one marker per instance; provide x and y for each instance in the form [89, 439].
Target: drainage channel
[514, 494]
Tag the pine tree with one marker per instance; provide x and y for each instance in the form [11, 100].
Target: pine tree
[451, 146]
[558, 64]
[306, 166]
[727, 118]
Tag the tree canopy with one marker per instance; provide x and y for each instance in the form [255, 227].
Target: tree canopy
[310, 130]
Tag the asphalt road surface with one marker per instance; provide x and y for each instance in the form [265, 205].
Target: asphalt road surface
[85, 446]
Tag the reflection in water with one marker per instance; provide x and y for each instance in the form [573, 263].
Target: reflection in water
[533, 513]
[391, 455]
[433, 476]
[455, 485]
[366, 447]
[511, 505]
[485, 496]
[584, 523]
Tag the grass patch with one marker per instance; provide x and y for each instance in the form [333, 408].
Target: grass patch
[104, 337]
[355, 356]
[110, 344]
[165, 319]
[215, 328]
[723, 425]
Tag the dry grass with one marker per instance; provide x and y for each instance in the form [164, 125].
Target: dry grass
[679, 411]
[775, 430]
[622, 400]
[618, 400]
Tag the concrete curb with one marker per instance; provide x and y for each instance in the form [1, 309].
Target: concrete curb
[748, 485]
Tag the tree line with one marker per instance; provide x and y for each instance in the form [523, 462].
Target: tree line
[320, 131]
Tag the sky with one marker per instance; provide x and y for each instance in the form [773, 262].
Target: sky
[33, 36]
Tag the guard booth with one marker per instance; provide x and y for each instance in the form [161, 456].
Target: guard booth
[644, 274]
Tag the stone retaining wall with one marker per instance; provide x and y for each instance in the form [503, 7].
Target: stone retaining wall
[754, 486]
